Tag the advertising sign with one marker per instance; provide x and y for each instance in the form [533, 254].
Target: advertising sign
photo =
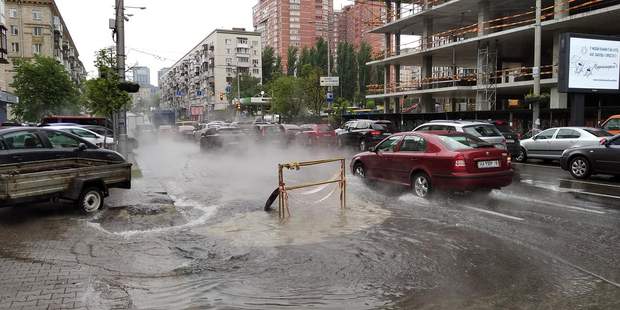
[589, 64]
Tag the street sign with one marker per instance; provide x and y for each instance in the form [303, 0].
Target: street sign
[330, 81]
[330, 97]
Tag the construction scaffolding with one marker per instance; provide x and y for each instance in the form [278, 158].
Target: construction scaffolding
[486, 90]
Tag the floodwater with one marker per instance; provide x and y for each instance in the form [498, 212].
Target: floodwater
[193, 234]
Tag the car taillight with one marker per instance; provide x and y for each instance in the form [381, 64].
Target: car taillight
[459, 163]
[375, 133]
[508, 159]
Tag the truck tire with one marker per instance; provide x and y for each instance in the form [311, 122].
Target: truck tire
[91, 200]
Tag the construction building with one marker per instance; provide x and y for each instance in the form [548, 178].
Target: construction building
[201, 81]
[477, 59]
[351, 24]
[285, 23]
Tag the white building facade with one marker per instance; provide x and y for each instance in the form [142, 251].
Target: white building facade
[202, 80]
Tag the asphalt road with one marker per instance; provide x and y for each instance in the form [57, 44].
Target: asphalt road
[192, 234]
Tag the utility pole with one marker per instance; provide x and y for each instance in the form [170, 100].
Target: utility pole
[121, 117]
[536, 69]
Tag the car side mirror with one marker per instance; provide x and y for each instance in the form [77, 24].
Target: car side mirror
[373, 149]
[81, 147]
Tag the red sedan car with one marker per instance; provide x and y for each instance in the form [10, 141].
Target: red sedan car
[426, 161]
[316, 134]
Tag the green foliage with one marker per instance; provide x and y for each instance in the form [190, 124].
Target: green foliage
[103, 95]
[319, 55]
[291, 60]
[286, 100]
[364, 55]
[313, 93]
[347, 71]
[44, 88]
[277, 68]
[268, 60]
[250, 86]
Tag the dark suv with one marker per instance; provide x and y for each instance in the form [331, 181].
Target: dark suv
[513, 144]
[364, 134]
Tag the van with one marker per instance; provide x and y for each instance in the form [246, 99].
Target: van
[612, 125]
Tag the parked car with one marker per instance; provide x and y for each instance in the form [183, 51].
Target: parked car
[345, 127]
[426, 161]
[364, 134]
[483, 130]
[222, 137]
[604, 158]
[316, 134]
[87, 135]
[186, 129]
[289, 133]
[103, 131]
[612, 125]
[513, 143]
[268, 133]
[44, 163]
[551, 143]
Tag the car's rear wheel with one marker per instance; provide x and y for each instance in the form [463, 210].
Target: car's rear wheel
[359, 170]
[91, 200]
[363, 145]
[522, 156]
[579, 167]
[421, 184]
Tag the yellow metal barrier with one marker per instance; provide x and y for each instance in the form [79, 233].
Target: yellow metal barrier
[283, 188]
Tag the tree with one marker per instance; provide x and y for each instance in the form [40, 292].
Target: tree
[305, 58]
[291, 60]
[286, 97]
[319, 55]
[313, 94]
[103, 95]
[250, 86]
[277, 68]
[364, 55]
[347, 70]
[44, 88]
[268, 60]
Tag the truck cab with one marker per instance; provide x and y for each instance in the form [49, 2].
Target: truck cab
[612, 125]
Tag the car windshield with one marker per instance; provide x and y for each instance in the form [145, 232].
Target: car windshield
[599, 133]
[383, 126]
[482, 131]
[462, 142]
[504, 128]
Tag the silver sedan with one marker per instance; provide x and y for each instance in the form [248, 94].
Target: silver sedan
[551, 143]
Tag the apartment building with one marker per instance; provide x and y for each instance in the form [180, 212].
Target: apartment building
[284, 23]
[161, 73]
[37, 27]
[141, 75]
[353, 23]
[202, 80]
[5, 97]
[477, 59]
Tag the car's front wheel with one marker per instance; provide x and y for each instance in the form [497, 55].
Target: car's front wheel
[359, 170]
[521, 157]
[91, 200]
[579, 167]
[421, 184]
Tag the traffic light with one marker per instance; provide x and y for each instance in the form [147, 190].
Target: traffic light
[238, 106]
[129, 87]
[221, 96]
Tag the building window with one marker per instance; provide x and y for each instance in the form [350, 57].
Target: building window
[227, 51]
[36, 15]
[229, 70]
[15, 47]
[14, 30]
[227, 41]
[228, 61]
[255, 61]
[36, 48]
[13, 13]
[242, 40]
[37, 31]
[243, 59]
[255, 71]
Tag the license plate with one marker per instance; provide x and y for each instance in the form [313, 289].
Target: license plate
[488, 164]
[510, 141]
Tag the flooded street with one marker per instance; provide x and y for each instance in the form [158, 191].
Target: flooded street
[192, 233]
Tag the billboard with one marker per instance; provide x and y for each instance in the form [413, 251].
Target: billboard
[589, 64]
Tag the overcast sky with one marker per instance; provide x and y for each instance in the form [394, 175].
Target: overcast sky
[166, 29]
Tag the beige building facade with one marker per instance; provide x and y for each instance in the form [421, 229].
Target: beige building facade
[37, 27]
